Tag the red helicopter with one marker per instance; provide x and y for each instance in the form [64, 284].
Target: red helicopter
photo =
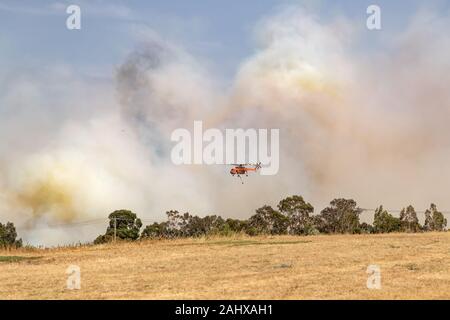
[241, 169]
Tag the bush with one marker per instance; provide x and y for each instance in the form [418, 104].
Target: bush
[8, 236]
[126, 225]
[236, 225]
[408, 220]
[186, 225]
[434, 220]
[103, 238]
[384, 222]
[156, 231]
[208, 225]
[311, 229]
[341, 217]
[298, 213]
[366, 228]
[267, 221]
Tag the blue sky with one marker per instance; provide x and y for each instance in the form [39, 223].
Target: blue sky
[33, 34]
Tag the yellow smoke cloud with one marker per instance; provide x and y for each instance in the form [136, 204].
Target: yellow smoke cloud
[49, 196]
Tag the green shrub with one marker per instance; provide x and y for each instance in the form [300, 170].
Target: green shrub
[267, 221]
[298, 213]
[408, 220]
[237, 225]
[8, 236]
[124, 224]
[342, 216]
[366, 228]
[434, 219]
[187, 225]
[156, 231]
[384, 222]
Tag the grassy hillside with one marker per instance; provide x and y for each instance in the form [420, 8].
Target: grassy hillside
[282, 267]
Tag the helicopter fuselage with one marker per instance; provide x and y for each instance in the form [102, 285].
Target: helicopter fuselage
[240, 170]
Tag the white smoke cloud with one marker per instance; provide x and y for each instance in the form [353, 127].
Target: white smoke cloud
[353, 123]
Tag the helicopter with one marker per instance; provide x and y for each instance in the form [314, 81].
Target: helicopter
[244, 168]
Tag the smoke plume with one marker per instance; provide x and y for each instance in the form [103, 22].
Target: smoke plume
[366, 124]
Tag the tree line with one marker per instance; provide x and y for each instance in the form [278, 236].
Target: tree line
[293, 216]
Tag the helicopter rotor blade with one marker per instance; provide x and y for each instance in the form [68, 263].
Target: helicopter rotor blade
[258, 165]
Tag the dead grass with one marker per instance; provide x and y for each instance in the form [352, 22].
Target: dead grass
[413, 266]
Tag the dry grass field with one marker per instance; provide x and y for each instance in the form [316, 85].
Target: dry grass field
[413, 266]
